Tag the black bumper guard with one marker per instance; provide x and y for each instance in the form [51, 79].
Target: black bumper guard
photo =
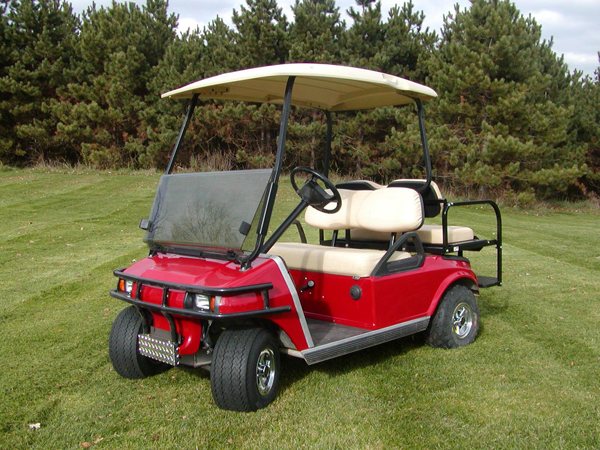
[169, 311]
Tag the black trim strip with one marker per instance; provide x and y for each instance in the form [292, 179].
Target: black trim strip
[199, 314]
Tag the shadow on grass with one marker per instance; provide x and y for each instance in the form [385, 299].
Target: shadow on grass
[295, 369]
[491, 303]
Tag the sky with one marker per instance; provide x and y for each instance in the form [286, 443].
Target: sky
[574, 24]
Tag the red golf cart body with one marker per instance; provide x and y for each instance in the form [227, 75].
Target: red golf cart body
[205, 285]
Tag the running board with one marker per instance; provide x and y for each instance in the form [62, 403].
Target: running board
[485, 282]
[365, 340]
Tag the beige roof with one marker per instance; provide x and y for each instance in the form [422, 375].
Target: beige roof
[323, 86]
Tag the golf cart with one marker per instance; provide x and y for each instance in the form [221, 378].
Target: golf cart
[219, 291]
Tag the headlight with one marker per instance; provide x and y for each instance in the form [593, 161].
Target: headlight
[128, 286]
[202, 302]
[125, 286]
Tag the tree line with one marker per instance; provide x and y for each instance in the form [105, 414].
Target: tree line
[511, 118]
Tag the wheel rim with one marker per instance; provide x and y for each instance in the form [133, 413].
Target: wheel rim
[462, 320]
[265, 371]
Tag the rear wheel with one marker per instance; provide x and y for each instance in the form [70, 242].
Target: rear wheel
[456, 320]
[244, 373]
[123, 347]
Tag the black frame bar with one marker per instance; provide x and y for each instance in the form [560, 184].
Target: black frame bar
[226, 292]
[384, 268]
[199, 314]
[271, 191]
[421, 114]
[327, 158]
[182, 130]
[446, 247]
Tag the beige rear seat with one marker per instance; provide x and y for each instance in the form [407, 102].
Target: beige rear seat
[383, 210]
[432, 234]
[429, 234]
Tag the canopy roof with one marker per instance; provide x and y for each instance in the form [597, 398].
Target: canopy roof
[323, 86]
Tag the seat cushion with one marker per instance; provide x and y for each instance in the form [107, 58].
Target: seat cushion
[429, 234]
[335, 260]
[432, 234]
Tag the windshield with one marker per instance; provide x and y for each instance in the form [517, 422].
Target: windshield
[215, 210]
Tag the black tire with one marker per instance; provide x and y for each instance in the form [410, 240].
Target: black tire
[123, 347]
[456, 319]
[245, 367]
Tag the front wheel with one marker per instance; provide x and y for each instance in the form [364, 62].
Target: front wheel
[456, 320]
[244, 373]
[123, 347]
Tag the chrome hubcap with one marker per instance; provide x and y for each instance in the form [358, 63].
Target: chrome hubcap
[265, 371]
[462, 320]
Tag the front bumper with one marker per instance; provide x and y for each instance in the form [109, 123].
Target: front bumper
[198, 314]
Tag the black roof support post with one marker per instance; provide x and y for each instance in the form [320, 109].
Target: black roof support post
[271, 191]
[182, 131]
[327, 145]
[425, 146]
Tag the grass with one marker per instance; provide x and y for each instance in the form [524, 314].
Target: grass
[531, 379]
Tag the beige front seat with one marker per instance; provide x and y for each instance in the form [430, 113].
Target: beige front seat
[383, 210]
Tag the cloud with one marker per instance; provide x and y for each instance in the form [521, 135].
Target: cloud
[188, 23]
[547, 17]
[581, 59]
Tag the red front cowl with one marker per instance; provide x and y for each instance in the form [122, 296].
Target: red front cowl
[210, 273]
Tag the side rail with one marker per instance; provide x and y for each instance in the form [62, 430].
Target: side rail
[476, 244]
[386, 267]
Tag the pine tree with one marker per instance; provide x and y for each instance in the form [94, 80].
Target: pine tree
[393, 47]
[6, 60]
[497, 127]
[181, 65]
[366, 37]
[261, 33]
[593, 154]
[103, 113]
[407, 44]
[317, 32]
[36, 62]
[586, 97]
[221, 55]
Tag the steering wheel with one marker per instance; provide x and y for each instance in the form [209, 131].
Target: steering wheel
[313, 194]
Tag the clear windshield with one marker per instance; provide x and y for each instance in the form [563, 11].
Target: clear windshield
[215, 210]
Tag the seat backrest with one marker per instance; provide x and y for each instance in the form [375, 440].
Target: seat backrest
[430, 197]
[359, 185]
[389, 210]
[345, 218]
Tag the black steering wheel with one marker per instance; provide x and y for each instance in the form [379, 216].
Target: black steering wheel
[313, 194]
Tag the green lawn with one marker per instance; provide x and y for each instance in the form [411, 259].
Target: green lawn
[531, 379]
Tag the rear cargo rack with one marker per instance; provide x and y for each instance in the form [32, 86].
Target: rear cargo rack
[476, 244]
